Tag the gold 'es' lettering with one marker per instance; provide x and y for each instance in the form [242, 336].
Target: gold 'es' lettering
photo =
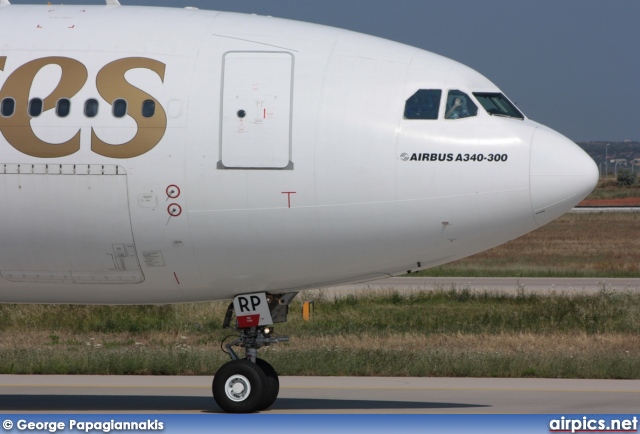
[17, 128]
[112, 85]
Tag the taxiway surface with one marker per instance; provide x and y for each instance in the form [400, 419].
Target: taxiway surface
[502, 284]
[179, 394]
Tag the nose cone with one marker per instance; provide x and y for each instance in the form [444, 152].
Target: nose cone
[561, 173]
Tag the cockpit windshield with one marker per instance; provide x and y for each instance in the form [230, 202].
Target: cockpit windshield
[423, 104]
[496, 104]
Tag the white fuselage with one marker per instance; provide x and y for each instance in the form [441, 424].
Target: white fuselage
[276, 158]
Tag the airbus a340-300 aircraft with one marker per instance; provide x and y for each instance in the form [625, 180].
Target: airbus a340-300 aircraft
[158, 155]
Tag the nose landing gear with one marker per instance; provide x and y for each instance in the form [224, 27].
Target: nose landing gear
[249, 384]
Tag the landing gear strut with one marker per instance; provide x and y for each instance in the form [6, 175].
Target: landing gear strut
[249, 384]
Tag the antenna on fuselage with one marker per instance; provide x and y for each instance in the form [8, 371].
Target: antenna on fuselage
[109, 2]
[4, 3]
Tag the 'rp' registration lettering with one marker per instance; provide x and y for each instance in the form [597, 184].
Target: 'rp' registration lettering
[248, 304]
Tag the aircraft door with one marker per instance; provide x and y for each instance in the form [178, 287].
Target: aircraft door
[256, 110]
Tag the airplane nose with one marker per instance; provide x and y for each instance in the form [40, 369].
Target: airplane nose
[561, 175]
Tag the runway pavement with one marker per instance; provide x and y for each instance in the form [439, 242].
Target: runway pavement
[161, 394]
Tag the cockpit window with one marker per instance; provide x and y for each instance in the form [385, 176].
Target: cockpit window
[423, 104]
[496, 104]
[459, 106]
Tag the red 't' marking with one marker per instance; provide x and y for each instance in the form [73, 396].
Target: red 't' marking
[289, 193]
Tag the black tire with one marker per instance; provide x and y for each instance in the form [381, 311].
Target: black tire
[273, 383]
[239, 387]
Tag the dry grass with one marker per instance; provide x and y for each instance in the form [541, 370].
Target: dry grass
[609, 189]
[574, 245]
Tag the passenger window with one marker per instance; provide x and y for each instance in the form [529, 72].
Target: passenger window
[91, 108]
[35, 107]
[423, 104]
[148, 108]
[63, 107]
[7, 107]
[119, 108]
[459, 106]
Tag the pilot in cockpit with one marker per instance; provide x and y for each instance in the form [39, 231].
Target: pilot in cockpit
[457, 108]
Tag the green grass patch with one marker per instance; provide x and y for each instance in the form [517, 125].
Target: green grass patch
[430, 333]
[440, 362]
[473, 312]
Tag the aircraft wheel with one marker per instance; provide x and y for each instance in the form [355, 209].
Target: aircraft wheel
[239, 386]
[273, 383]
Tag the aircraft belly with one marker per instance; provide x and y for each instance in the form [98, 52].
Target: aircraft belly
[242, 251]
